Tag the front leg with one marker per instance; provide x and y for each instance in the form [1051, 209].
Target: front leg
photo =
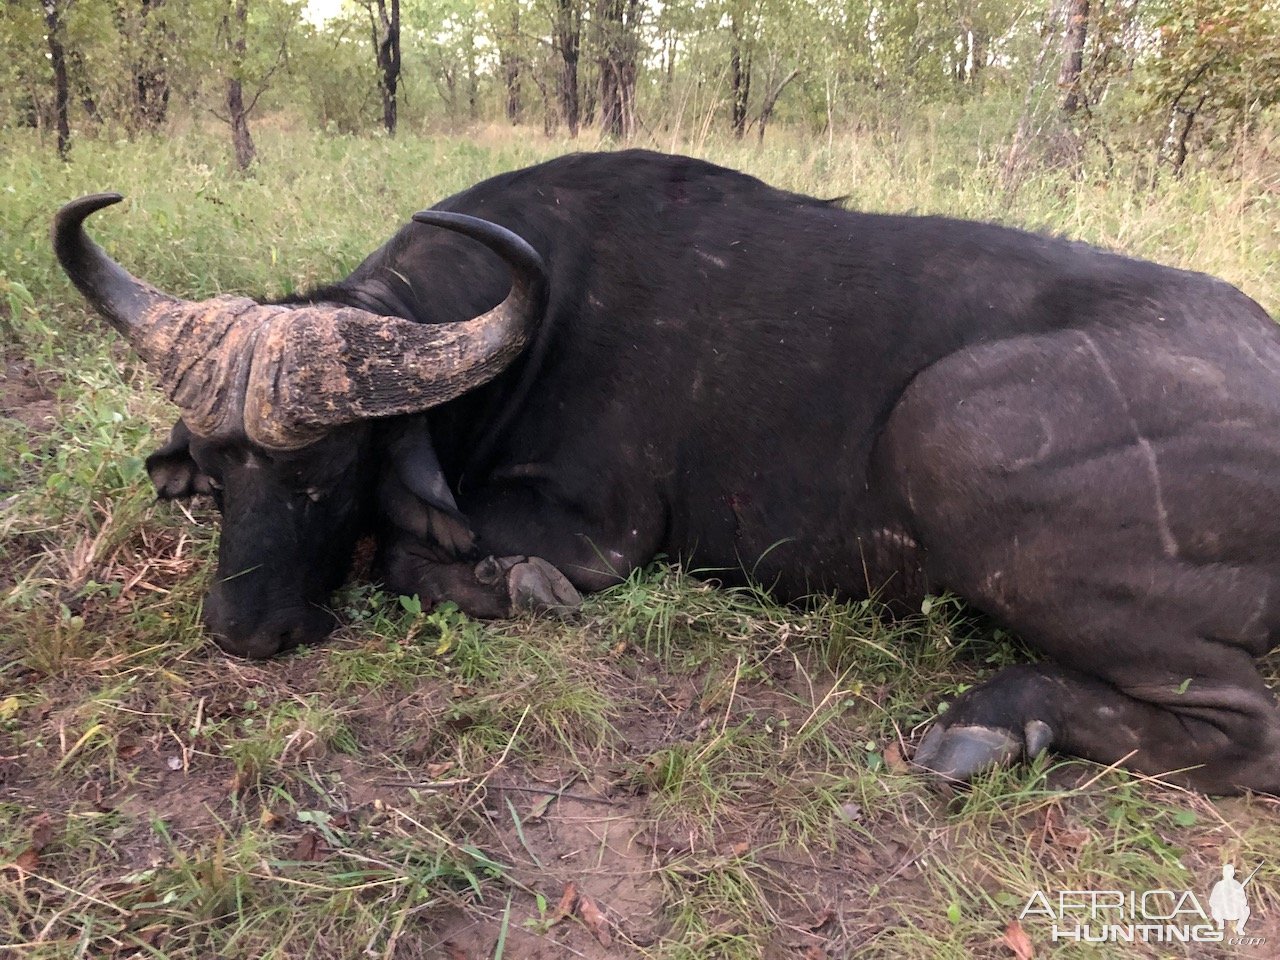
[493, 588]
[530, 552]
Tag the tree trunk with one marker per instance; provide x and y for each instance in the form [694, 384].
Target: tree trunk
[237, 113]
[84, 90]
[548, 111]
[669, 53]
[568, 41]
[587, 108]
[739, 77]
[1013, 164]
[766, 109]
[449, 74]
[473, 79]
[151, 82]
[509, 62]
[53, 13]
[979, 43]
[1073, 42]
[145, 39]
[1181, 120]
[241, 138]
[386, 54]
[616, 22]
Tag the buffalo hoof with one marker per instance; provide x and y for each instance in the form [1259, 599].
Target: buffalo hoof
[532, 585]
[537, 586]
[963, 751]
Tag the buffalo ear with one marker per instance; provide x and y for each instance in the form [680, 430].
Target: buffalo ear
[414, 495]
[172, 469]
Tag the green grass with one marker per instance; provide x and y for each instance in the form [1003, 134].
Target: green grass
[722, 776]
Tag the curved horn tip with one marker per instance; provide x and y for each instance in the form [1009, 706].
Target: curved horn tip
[438, 218]
[505, 242]
[70, 214]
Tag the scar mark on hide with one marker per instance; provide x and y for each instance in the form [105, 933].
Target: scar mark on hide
[711, 258]
[1153, 467]
[1248, 348]
[1255, 619]
[403, 279]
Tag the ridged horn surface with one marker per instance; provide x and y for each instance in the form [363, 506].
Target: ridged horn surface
[334, 365]
[282, 376]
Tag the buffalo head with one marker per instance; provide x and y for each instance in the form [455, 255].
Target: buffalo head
[288, 412]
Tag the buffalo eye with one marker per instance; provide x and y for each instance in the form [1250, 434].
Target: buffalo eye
[315, 494]
[213, 484]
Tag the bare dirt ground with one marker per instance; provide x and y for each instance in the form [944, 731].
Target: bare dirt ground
[25, 396]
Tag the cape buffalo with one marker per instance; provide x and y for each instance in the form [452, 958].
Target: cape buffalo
[610, 356]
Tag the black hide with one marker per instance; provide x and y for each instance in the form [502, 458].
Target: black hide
[1085, 445]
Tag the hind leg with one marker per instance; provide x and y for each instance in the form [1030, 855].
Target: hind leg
[1142, 562]
[1220, 734]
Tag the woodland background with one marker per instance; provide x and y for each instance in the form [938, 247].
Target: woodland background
[1168, 79]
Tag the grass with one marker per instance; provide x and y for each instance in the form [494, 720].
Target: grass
[720, 776]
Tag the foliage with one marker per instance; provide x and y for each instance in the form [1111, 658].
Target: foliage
[331, 76]
[1169, 76]
[1214, 68]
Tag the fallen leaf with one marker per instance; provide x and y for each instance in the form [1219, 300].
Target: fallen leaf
[850, 811]
[1054, 831]
[893, 759]
[41, 831]
[308, 848]
[568, 900]
[92, 792]
[539, 808]
[242, 779]
[9, 708]
[822, 918]
[1072, 840]
[151, 935]
[595, 920]
[437, 770]
[667, 845]
[1016, 939]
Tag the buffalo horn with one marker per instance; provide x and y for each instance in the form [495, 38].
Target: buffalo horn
[333, 365]
[282, 376]
[124, 300]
